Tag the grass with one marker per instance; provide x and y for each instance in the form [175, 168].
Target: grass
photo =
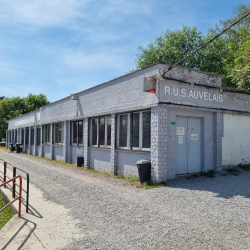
[3, 148]
[133, 180]
[6, 215]
[246, 167]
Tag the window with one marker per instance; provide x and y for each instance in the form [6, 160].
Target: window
[139, 136]
[46, 134]
[58, 133]
[100, 131]
[77, 132]
[32, 136]
[38, 136]
[22, 136]
[27, 136]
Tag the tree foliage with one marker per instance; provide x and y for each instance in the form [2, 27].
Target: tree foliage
[240, 74]
[16, 106]
[222, 56]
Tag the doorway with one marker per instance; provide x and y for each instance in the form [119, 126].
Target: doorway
[188, 145]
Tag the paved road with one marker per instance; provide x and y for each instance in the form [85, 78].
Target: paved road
[197, 213]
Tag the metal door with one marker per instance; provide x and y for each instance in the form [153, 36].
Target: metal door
[188, 153]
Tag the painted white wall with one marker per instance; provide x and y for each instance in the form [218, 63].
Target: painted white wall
[236, 140]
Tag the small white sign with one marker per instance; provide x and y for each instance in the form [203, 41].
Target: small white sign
[194, 137]
[180, 131]
[180, 139]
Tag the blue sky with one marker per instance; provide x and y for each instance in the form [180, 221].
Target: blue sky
[57, 47]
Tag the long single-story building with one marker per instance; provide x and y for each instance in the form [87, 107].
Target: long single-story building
[184, 121]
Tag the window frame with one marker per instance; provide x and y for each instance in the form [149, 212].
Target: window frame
[55, 132]
[46, 134]
[77, 133]
[97, 145]
[130, 131]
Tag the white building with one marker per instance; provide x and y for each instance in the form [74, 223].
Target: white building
[190, 124]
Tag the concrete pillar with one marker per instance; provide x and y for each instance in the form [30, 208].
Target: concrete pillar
[66, 141]
[51, 142]
[113, 153]
[29, 142]
[35, 140]
[41, 142]
[24, 141]
[218, 132]
[159, 144]
[85, 142]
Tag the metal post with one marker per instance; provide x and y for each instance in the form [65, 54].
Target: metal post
[14, 183]
[5, 172]
[27, 193]
[20, 196]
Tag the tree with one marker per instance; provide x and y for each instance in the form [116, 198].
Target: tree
[16, 106]
[219, 57]
[240, 74]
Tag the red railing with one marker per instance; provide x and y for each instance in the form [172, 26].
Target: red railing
[14, 181]
[18, 197]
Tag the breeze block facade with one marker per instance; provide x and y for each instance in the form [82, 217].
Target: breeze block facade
[188, 124]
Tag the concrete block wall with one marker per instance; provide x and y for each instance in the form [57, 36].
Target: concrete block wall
[113, 153]
[218, 131]
[159, 143]
[192, 75]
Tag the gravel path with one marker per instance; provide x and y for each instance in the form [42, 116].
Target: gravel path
[196, 213]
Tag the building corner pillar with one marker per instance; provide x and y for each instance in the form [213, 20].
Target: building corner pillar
[159, 144]
[113, 154]
[218, 133]
[85, 139]
[66, 139]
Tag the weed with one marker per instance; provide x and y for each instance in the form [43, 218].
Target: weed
[232, 170]
[203, 173]
[246, 167]
[209, 174]
[195, 175]
[223, 174]
[149, 184]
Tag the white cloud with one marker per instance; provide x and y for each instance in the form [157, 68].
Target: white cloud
[42, 13]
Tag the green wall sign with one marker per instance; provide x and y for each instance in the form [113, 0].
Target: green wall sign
[172, 123]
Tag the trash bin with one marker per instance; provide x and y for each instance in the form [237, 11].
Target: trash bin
[12, 147]
[80, 161]
[18, 148]
[144, 170]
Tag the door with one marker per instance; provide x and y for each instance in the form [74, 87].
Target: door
[188, 146]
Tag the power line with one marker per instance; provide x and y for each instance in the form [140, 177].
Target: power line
[211, 40]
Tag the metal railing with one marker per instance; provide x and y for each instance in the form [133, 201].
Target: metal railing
[18, 197]
[14, 181]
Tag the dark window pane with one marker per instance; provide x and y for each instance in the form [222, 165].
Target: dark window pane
[146, 129]
[38, 134]
[55, 133]
[109, 131]
[94, 131]
[135, 134]
[123, 130]
[27, 136]
[74, 136]
[32, 137]
[22, 136]
[102, 131]
[80, 132]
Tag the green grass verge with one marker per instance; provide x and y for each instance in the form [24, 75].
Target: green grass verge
[133, 180]
[6, 215]
[3, 148]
